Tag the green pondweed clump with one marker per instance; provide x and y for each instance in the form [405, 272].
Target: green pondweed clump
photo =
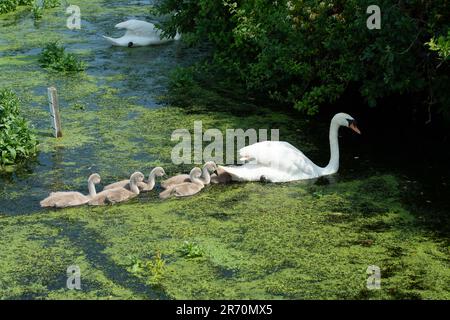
[37, 12]
[191, 250]
[54, 57]
[17, 141]
[37, 6]
[151, 270]
[8, 6]
[79, 106]
[11, 5]
[48, 4]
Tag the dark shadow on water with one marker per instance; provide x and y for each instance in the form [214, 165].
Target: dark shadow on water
[88, 241]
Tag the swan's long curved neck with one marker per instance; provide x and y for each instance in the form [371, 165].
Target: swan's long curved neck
[133, 186]
[196, 180]
[151, 180]
[91, 187]
[206, 177]
[333, 165]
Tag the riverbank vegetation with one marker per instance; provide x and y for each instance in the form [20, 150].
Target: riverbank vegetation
[309, 54]
[17, 141]
[11, 5]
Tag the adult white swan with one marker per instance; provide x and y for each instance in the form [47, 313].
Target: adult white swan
[279, 161]
[139, 33]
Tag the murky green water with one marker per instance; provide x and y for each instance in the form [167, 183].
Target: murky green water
[305, 240]
[118, 86]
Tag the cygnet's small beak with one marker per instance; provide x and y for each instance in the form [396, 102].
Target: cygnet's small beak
[354, 128]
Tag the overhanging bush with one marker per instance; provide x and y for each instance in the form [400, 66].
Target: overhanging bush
[17, 142]
[308, 53]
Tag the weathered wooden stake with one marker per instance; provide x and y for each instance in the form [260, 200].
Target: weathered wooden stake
[54, 110]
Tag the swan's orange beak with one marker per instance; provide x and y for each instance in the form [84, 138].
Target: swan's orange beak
[354, 128]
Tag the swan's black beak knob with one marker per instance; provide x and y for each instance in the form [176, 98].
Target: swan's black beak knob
[130, 44]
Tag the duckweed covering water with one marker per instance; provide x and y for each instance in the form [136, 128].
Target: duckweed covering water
[305, 240]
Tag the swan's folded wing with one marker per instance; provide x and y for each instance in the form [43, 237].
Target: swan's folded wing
[78, 201]
[173, 181]
[276, 160]
[119, 184]
[267, 153]
[119, 195]
[186, 189]
[138, 28]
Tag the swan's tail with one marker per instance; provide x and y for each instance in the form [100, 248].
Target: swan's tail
[245, 172]
[112, 41]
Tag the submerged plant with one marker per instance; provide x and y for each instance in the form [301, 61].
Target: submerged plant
[54, 57]
[16, 139]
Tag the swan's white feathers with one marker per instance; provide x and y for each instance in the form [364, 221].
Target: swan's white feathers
[138, 27]
[140, 33]
[277, 161]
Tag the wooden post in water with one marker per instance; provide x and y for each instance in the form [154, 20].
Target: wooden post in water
[54, 110]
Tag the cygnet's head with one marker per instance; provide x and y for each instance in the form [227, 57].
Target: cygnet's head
[211, 166]
[94, 178]
[159, 172]
[137, 177]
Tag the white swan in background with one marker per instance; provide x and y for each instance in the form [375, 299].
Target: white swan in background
[70, 198]
[208, 168]
[143, 186]
[118, 195]
[139, 33]
[185, 189]
[279, 161]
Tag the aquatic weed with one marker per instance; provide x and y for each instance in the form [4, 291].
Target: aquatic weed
[54, 57]
[191, 250]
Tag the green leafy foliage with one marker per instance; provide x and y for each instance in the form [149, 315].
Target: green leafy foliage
[16, 139]
[11, 5]
[441, 45]
[152, 270]
[51, 4]
[309, 53]
[191, 250]
[8, 5]
[37, 12]
[54, 57]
